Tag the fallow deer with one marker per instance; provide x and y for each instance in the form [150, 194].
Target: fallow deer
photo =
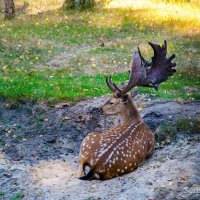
[122, 149]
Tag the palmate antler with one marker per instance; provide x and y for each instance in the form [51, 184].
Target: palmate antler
[147, 74]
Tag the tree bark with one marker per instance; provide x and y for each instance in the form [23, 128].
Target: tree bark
[68, 4]
[9, 9]
[85, 4]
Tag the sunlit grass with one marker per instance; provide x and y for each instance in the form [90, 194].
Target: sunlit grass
[38, 6]
[183, 18]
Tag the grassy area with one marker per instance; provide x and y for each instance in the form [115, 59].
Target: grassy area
[18, 196]
[52, 86]
[56, 55]
[168, 132]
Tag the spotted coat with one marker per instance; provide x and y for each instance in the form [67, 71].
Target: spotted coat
[117, 151]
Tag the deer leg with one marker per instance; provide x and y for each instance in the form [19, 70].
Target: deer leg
[80, 172]
[141, 163]
[149, 153]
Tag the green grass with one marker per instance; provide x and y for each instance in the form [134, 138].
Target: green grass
[190, 125]
[167, 132]
[29, 42]
[48, 85]
[18, 196]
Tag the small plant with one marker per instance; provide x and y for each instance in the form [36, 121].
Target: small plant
[39, 120]
[1, 140]
[1, 194]
[183, 124]
[18, 196]
[46, 149]
[166, 133]
[90, 198]
[188, 125]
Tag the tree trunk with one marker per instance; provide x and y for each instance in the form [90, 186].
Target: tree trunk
[85, 4]
[68, 4]
[9, 9]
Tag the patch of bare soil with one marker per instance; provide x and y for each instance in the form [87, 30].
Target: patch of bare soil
[83, 60]
[39, 148]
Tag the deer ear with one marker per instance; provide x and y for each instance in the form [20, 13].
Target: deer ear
[135, 93]
[124, 98]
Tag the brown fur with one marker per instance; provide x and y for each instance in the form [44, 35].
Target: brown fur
[119, 150]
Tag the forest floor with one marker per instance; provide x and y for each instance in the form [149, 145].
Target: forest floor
[39, 148]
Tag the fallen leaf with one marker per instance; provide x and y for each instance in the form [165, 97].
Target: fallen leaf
[171, 182]
[65, 118]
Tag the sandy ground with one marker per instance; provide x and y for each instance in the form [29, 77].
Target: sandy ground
[41, 162]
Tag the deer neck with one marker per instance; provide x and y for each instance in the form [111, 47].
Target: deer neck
[130, 114]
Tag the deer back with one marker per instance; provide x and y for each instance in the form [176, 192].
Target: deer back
[119, 150]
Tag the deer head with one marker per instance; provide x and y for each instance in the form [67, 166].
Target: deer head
[116, 105]
[142, 73]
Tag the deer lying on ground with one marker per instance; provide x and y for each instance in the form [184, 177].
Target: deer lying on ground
[122, 149]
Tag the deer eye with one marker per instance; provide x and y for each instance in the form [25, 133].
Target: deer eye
[110, 102]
